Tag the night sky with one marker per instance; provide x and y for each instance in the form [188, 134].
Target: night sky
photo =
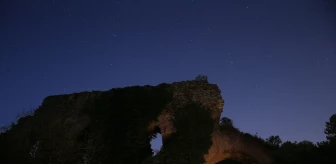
[274, 61]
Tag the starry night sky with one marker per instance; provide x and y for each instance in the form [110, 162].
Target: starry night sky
[274, 61]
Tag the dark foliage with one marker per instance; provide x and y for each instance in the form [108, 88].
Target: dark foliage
[330, 129]
[294, 152]
[305, 151]
[274, 141]
[202, 78]
[226, 123]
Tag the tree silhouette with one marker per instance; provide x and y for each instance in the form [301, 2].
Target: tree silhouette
[330, 129]
[202, 78]
[274, 141]
[226, 122]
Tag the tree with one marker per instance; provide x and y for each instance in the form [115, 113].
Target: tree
[226, 122]
[202, 78]
[327, 149]
[274, 141]
[330, 129]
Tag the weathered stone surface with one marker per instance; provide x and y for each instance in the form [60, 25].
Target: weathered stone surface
[189, 91]
[225, 144]
[231, 144]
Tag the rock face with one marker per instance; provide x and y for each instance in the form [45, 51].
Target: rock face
[232, 144]
[64, 115]
[225, 144]
[185, 92]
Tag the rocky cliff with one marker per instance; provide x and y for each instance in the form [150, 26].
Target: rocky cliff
[117, 125]
[188, 92]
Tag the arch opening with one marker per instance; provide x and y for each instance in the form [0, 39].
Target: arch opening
[156, 141]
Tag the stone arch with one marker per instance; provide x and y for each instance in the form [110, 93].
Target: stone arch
[157, 140]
